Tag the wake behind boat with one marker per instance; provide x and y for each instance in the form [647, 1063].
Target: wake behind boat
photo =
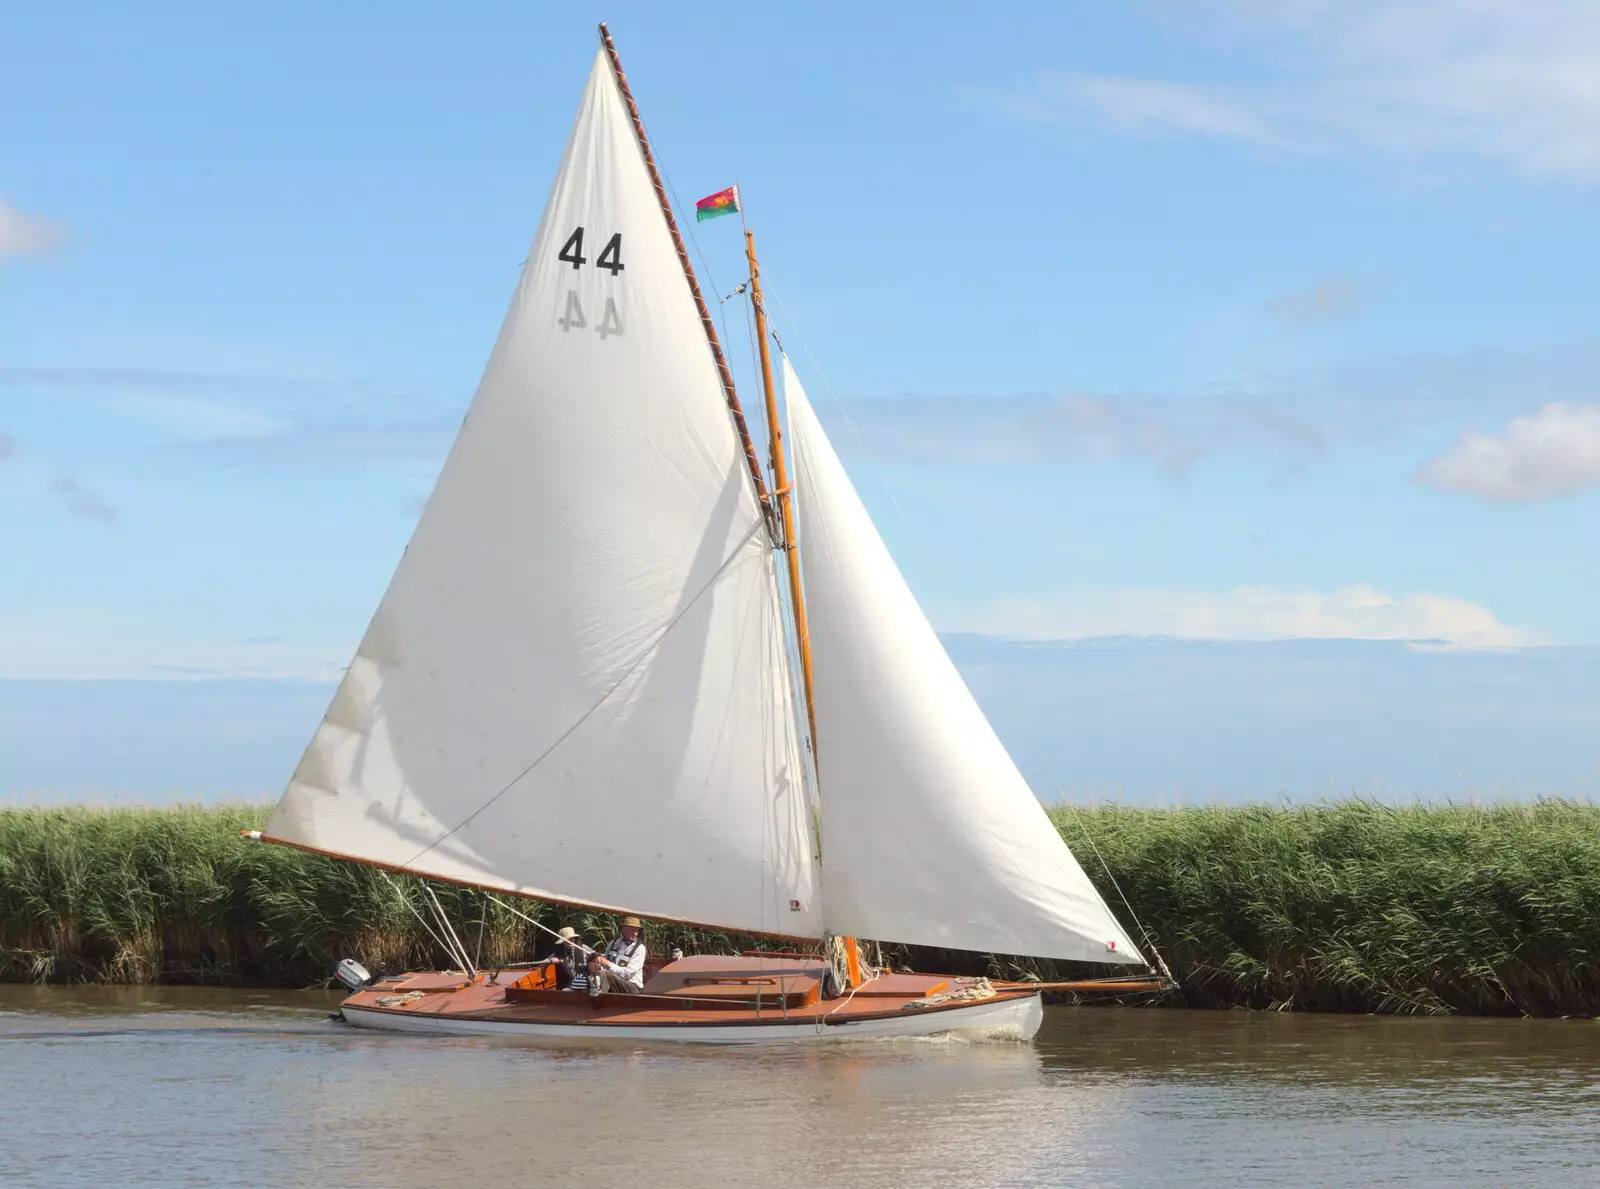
[580, 686]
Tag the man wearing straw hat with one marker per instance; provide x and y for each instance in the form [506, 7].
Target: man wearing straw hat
[620, 969]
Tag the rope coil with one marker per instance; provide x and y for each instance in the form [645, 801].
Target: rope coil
[399, 1000]
[973, 992]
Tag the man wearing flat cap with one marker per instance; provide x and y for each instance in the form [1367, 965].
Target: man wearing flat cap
[620, 968]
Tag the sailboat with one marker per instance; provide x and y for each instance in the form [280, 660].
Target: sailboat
[580, 685]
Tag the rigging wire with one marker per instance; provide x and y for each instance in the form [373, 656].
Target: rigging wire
[711, 281]
[644, 654]
[694, 242]
[843, 412]
[483, 919]
[406, 900]
[791, 638]
[538, 924]
[912, 528]
[444, 921]
[808, 744]
[1144, 934]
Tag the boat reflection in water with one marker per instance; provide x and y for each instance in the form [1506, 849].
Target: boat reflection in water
[180, 1086]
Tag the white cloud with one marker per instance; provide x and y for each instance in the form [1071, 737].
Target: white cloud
[1514, 82]
[1249, 613]
[1553, 452]
[1292, 419]
[1136, 105]
[23, 234]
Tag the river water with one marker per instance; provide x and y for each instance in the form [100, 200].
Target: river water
[180, 1086]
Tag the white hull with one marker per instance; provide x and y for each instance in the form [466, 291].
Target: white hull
[1016, 1019]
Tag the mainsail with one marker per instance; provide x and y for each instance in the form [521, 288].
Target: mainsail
[576, 686]
[930, 835]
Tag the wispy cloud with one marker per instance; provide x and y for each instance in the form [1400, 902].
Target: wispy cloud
[1510, 82]
[1172, 432]
[1135, 105]
[22, 234]
[1249, 613]
[80, 501]
[63, 641]
[1291, 419]
[246, 419]
[1327, 299]
[1554, 452]
[8, 446]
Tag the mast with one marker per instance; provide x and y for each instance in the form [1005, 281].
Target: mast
[780, 476]
[780, 519]
[784, 493]
[728, 391]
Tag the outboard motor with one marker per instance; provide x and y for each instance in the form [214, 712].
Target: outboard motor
[352, 974]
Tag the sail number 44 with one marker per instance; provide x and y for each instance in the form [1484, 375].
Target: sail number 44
[610, 257]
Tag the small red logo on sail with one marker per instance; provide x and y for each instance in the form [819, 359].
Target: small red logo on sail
[794, 906]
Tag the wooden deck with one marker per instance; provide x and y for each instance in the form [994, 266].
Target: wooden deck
[700, 991]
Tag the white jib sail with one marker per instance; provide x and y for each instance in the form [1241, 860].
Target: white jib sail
[576, 685]
[930, 835]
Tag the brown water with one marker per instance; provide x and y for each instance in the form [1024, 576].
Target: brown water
[173, 1086]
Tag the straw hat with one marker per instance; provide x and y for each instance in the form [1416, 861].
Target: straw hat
[635, 922]
[567, 933]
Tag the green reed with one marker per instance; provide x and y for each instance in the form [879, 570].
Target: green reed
[175, 895]
[1350, 906]
[1360, 906]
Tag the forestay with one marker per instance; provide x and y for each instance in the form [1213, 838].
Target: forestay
[576, 685]
[930, 835]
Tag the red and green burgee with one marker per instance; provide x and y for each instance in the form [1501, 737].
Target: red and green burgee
[723, 202]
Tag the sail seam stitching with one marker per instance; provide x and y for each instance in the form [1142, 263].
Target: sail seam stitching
[644, 655]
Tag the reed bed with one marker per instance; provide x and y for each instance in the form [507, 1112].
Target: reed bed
[1349, 906]
[1361, 906]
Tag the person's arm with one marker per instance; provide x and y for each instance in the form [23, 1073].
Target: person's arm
[633, 968]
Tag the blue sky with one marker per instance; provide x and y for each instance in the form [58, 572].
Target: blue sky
[1231, 321]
